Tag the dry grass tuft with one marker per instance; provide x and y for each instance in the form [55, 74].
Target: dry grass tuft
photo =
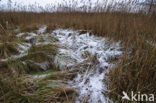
[27, 90]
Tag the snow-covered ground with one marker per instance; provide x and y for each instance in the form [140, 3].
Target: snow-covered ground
[77, 48]
[80, 47]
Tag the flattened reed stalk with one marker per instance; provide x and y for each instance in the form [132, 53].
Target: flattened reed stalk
[25, 89]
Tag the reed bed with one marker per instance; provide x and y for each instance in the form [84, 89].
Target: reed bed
[137, 69]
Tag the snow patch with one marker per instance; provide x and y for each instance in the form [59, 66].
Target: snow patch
[30, 36]
[20, 34]
[40, 76]
[151, 43]
[75, 49]
[42, 29]
[23, 47]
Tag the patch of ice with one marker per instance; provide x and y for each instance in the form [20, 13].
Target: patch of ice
[78, 48]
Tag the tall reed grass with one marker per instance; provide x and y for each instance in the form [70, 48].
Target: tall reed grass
[137, 69]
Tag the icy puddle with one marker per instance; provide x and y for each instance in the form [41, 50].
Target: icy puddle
[92, 57]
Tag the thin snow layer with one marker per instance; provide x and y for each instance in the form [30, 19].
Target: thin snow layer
[78, 47]
[30, 36]
[40, 76]
[23, 47]
[20, 34]
[42, 29]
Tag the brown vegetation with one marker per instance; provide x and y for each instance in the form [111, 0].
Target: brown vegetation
[137, 69]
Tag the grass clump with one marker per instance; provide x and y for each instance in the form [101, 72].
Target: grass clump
[46, 38]
[16, 90]
[44, 72]
[28, 90]
[18, 66]
[8, 45]
[49, 49]
[39, 58]
[8, 49]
